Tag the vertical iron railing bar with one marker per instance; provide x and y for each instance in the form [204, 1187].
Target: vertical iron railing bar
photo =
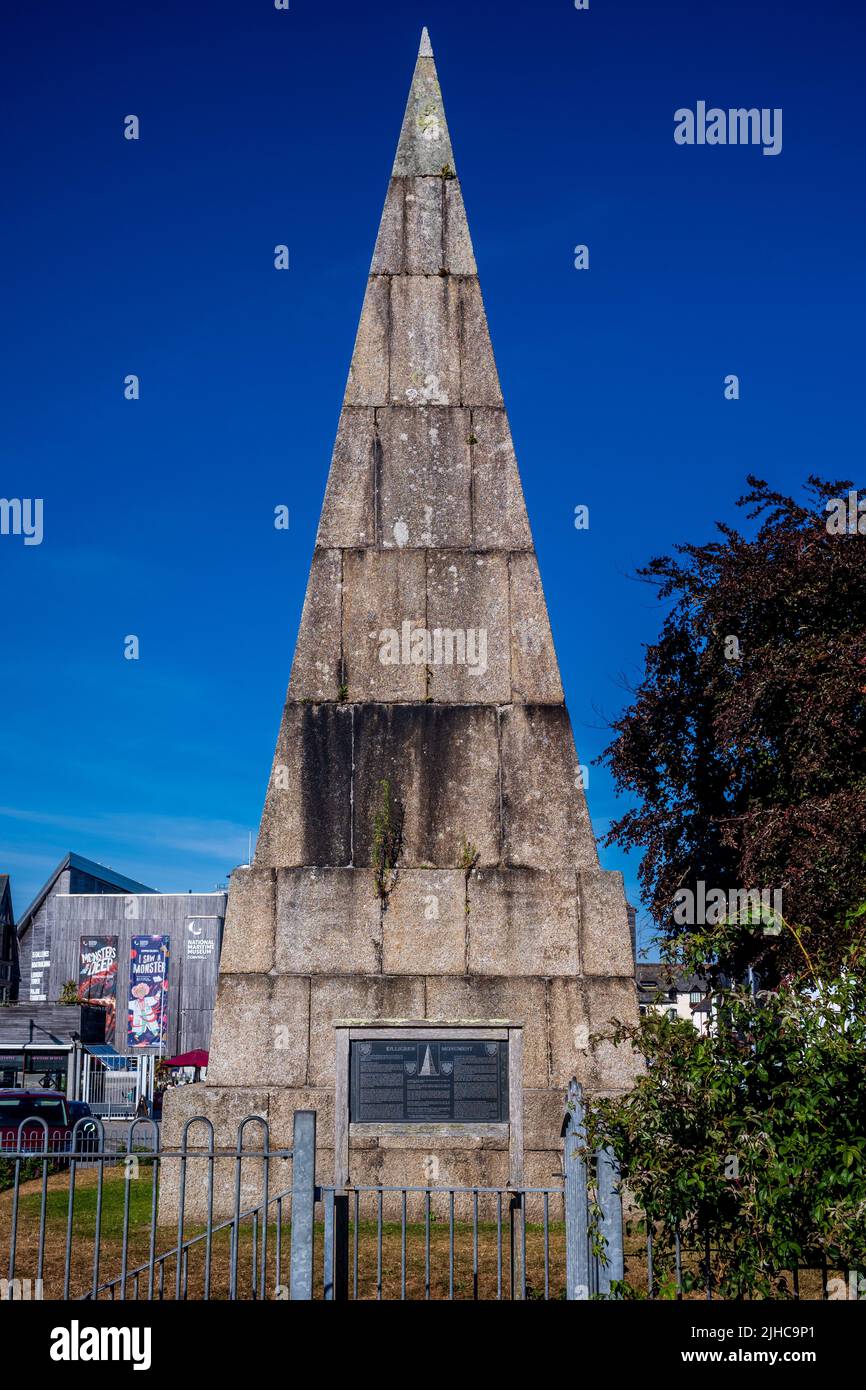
[124, 1251]
[379, 1249]
[67, 1259]
[181, 1204]
[546, 1248]
[43, 1212]
[266, 1180]
[279, 1246]
[235, 1230]
[499, 1245]
[451, 1244]
[427, 1245]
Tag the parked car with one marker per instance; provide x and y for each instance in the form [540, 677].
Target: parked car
[28, 1107]
[78, 1110]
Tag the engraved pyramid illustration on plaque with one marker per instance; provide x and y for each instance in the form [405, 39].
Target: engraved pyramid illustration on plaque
[424, 672]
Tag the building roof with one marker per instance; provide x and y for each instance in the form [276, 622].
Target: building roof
[655, 977]
[86, 866]
[5, 900]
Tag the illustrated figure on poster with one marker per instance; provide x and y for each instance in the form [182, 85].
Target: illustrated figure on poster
[145, 1016]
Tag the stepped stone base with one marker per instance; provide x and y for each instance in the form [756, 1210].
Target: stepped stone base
[273, 1046]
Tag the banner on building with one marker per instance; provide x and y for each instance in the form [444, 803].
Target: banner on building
[147, 1023]
[200, 970]
[97, 977]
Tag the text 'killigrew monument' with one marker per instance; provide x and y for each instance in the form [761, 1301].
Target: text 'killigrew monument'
[425, 941]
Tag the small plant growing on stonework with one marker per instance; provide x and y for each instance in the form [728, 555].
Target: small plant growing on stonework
[472, 439]
[69, 993]
[343, 694]
[468, 858]
[447, 172]
[387, 840]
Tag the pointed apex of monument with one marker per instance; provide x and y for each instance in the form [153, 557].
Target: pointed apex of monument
[425, 146]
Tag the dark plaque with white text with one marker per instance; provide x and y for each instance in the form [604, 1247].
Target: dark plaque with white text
[420, 1081]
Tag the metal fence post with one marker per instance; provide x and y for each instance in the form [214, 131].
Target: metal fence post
[576, 1216]
[303, 1203]
[517, 1216]
[610, 1201]
[328, 1263]
[336, 1246]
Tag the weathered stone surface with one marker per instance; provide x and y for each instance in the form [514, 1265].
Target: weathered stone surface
[383, 590]
[545, 821]
[316, 669]
[425, 146]
[440, 1166]
[422, 220]
[443, 768]
[426, 475]
[544, 1169]
[282, 1104]
[499, 514]
[328, 921]
[306, 819]
[605, 937]
[410, 240]
[427, 1140]
[578, 1011]
[534, 667]
[523, 922]
[260, 1031]
[479, 378]
[356, 997]
[459, 256]
[479, 997]
[388, 253]
[423, 230]
[225, 1107]
[368, 373]
[424, 523]
[248, 939]
[543, 1113]
[425, 342]
[467, 605]
[424, 927]
[348, 514]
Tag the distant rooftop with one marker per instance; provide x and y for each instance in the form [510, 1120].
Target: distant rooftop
[85, 866]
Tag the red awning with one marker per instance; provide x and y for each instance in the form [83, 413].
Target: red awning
[188, 1059]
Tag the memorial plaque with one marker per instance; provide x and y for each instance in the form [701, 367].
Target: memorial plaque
[427, 1081]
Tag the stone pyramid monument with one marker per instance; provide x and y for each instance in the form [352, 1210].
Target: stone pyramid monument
[425, 851]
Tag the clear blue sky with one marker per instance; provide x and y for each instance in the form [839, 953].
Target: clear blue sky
[156, 257]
